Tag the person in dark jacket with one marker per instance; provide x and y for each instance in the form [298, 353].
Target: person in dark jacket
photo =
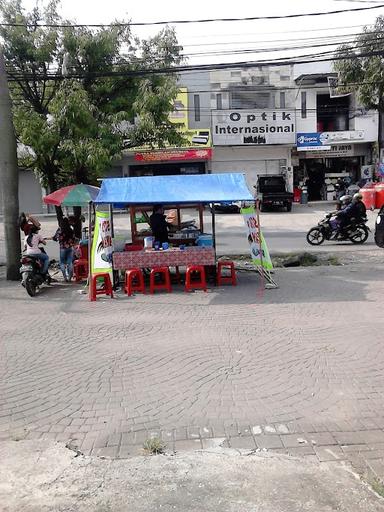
[158, 224]
[360, 211]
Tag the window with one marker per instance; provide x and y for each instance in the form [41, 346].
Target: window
[332, 113]
[251, 99]
[282, 100]
[303, 105]
[219, 101]
[196, 103]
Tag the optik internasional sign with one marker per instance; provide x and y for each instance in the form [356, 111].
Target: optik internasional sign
[255, 127]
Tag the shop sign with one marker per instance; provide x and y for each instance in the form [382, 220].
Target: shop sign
[256, 240]
[322, 141]
[256, 127]
[102, 245]
[337, 151]
[367, 172]
[169, 155]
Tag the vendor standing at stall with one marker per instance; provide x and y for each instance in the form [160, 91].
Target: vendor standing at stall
[159, 225]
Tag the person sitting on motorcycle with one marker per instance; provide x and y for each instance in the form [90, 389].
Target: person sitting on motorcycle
[360, 211]
[342, 215]
[26, 221]
[31, 245]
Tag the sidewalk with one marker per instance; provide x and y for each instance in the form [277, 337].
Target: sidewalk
[37, 477]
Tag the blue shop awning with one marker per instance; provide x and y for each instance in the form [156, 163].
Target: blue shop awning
[197, 188]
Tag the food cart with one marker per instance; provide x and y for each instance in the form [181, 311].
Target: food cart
[176, 192]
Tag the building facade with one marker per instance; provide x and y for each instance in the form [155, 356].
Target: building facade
[260, 121]
[336, 136]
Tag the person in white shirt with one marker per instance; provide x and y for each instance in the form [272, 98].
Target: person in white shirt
[31, 244]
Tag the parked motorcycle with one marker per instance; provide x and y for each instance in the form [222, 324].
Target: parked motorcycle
[356, 231]
[31, 276]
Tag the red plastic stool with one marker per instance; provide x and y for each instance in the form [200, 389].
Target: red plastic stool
[226, 279]
[105, 290]
[131, 275]
[80, 269]
[166, 285]
[201, 284]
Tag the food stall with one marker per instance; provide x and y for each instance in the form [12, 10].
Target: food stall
[174, 192]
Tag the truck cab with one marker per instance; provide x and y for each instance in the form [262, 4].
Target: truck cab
[272, 191]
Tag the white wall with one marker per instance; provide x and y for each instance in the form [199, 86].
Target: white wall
[30, 193]
[308, 124]
[251, 160]
[369, 123]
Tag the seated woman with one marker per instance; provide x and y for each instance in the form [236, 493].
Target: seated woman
[26, 221]
[31, 245]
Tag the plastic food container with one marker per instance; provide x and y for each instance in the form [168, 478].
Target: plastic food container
[379, 202]
[148, 242]
[369, 197]
[205, 241]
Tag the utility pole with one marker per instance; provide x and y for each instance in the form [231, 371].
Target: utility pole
[9, 178]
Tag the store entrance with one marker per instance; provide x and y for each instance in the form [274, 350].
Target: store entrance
[315, 181]
[327, 178]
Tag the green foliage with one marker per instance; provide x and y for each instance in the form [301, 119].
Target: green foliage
[154, 446]
[75, 105]
[361, 72]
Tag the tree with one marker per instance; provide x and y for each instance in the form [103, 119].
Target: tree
[9, 178]
[77, 104]
[361, 68]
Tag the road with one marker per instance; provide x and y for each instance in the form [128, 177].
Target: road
[284, 232]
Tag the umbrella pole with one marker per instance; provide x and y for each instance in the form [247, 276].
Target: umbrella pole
[89, 247]
[111, 217]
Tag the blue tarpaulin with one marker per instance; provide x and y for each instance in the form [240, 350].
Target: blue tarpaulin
[197, 188]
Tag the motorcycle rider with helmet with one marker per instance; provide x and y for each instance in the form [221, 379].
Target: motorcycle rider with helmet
[360, 211]
[343, 215]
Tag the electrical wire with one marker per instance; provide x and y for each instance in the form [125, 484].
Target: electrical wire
[206, 20]
[304, 59]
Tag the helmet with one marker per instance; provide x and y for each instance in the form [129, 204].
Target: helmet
[358, 196]
[346, 199]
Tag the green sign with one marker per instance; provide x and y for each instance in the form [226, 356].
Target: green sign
[102, 246]
[257, 244]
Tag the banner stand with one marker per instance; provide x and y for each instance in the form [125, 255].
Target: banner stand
[89, 249]
[264, 273]
[258, 247]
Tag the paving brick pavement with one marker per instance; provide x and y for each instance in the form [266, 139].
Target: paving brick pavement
[297, 370]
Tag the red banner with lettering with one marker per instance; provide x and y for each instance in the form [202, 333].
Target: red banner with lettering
[167, 155]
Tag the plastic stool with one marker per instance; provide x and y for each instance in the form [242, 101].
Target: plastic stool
[201, 284]
[80, 269]
[129, 286]
[166, 285]
[226, 279]
[107, 288]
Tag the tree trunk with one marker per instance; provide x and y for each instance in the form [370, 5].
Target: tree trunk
[9, 176]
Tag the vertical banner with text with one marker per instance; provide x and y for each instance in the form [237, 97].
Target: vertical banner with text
[102, 246]
[256, 240]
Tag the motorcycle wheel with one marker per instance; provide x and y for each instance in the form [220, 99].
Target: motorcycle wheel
[360, 235]
[315, 236]
[30, 286]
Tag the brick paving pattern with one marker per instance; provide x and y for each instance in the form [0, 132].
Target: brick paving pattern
[297, 370]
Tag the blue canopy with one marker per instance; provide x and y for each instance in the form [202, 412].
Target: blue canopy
[197, 188]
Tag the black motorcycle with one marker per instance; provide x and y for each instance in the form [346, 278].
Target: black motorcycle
[31, 274]
[355, 231]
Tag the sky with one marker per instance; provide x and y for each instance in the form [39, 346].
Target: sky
[200, 40]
